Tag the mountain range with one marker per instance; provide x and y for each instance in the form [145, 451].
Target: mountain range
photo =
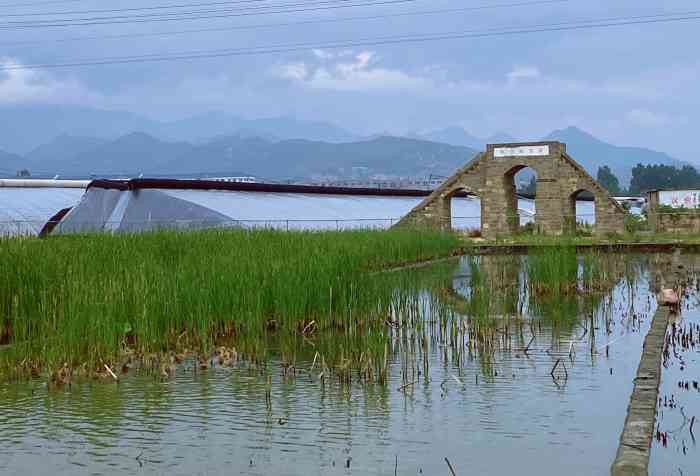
[11, 163]
[139, 153]
[67, 140]
[456, 135]
[25, 127]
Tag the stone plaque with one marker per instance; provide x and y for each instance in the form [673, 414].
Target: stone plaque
[521, 151]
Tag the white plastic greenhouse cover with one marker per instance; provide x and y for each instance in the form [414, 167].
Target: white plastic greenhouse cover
[132, 208]
[144, 209]
[24, 211]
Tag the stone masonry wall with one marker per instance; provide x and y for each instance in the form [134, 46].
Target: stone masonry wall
[559, 179]
[681, 222]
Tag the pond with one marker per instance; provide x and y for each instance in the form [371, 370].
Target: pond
[530, 388]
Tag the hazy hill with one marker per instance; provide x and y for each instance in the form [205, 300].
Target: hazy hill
[592, 153]
[26, 127]
[500, 138]
[220, 143]
[456, 135]
[62, 148]
[586, 149]
[303, 158]
[453, 135]
[11, 163]
[132, 154]
[139, 153]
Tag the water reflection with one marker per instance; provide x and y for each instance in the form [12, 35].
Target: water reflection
[469, 379]
[675, 447]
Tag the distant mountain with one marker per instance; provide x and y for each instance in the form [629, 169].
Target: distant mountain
[292, 128]
[63, 148]
[453, 135]
[592, 153]
[500, 138]
[26, 127]
[302, 158]
[140, 153]
[131, 154]
[72, 140]
[218, 123]
[10, 164]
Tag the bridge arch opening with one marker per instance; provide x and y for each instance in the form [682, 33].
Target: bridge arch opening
[465, 212]
[581, 214]
[520, 188]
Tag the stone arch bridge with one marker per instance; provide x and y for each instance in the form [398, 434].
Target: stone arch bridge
[489, 175]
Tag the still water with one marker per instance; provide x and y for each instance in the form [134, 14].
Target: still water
[674, 449]
[495, 412]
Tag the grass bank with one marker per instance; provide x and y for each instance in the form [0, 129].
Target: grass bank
[84, 300]
[534, 239]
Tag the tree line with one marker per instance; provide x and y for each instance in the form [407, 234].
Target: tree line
[644, 178]
[651, 177]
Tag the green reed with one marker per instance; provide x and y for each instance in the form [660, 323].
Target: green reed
[553, 269]
[85, 299]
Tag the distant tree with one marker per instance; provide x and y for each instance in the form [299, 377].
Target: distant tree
[608, 180]
[651, 177]
[24, 173]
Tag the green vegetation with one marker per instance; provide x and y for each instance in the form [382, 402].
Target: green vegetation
[552, 269]
[635, 224]
[608, 180]
[650, 177]
[675, 210]
[87, 300]
[561, 283]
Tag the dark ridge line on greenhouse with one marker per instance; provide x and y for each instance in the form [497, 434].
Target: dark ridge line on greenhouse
[177, 184]
[53, 222]
[197, 184]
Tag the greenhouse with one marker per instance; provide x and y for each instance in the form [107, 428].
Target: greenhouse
[29, 206]
[143, 204]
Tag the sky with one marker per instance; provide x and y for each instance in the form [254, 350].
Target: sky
[630, 85]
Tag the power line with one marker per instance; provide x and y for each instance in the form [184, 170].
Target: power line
[197, 15]
[286, 24]
[375, 41]
[158, 15]
[47, 2]
[134, 9]
[119, 10]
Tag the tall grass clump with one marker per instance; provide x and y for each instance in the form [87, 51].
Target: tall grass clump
[83, 300]
[558, 280]
[553, 269]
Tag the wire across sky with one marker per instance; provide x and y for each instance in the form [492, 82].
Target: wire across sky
[368, 41]
[382, 16]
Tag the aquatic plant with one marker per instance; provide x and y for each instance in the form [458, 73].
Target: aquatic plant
[87, 299]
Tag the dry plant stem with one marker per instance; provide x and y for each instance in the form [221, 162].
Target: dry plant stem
[527, 347]
[556, 364]
[114, 376]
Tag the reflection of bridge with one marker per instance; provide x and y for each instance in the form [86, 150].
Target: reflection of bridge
[490, 176]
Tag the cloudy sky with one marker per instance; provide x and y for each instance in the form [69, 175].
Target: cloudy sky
[632, 84]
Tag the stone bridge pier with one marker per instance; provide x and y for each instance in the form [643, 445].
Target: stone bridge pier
[490, 176]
